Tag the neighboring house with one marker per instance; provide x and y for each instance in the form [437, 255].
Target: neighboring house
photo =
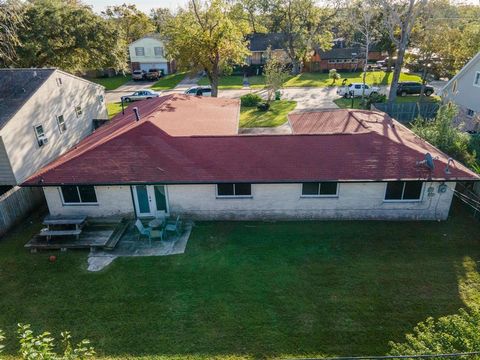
[464, 91]
[43, 113]
[184, 157]
[149, 53]
[342, 57]
[259, 44]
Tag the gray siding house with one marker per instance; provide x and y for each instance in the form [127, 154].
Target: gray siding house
[43, 113]
[464, 91]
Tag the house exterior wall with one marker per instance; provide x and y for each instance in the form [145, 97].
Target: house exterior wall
[269, 201]
[259, 57]
[466, 95]
[149, 60]
[112, 201]
[6, 173]
[50, 101]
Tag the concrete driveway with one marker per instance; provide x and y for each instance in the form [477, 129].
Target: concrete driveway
[127, 89]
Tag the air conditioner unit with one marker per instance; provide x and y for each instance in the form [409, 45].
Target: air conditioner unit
[42, 141]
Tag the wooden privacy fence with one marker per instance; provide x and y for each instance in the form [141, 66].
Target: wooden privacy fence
[16, 204]
[407, 112]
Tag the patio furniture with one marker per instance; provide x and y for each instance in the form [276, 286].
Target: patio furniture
[174, 226]
[156, 223]
[62, 226]
[148, 232]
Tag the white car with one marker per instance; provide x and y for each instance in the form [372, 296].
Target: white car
[141, 95]
[356, 89]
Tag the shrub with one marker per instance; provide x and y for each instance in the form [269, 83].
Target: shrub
[250, 100]
[263, 106]
[334, 75]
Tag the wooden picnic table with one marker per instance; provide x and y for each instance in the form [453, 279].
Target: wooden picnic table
[62, 222]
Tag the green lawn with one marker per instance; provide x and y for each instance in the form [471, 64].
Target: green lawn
[113, 82]
[114, 108]
[275, 116]
[236, 82]
[311, 80]
[250, 289]
[347, 103]
[168, 82]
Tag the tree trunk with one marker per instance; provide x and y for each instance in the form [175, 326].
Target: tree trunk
[213, 77]
[392, 95]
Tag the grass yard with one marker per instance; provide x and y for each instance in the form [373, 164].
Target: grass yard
[275, 116]
[168, 82]
[347, 103]
[113, 82]
[115, 108]
[236, 82]
[322, 80]
[250, 289]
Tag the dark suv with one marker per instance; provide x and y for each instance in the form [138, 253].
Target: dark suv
[412, 88]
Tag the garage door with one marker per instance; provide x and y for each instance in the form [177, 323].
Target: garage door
[146, 67]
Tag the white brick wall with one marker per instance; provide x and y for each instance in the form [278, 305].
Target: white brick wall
[269, 201]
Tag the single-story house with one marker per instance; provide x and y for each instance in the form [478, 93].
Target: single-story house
[342, 57]
[148, 53]
[183, 156]
[43, 113]
[464, 91]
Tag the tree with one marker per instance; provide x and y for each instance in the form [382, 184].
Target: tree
[10, 25]
[363, 15]
[160, 18]
[68, 35]
[399, 18]
[305, 27]
[449, 334]
[131, 22]
[33, 347]
[205, 37]
[334, 75]
[275, 74]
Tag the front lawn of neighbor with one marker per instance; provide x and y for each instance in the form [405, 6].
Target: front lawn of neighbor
[114, 108]
[321, 79]
[275, 116]
[347, 103]
[169, 82]
[249, 289]
[236, 82]
[113, 82]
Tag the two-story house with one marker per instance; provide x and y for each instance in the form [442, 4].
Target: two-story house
[147, 53]
[43, 113]
[464, 91]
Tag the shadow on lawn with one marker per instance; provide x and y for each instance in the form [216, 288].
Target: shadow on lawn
[250, 289]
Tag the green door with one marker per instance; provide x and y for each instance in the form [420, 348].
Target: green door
[160, 198]
[142, 199]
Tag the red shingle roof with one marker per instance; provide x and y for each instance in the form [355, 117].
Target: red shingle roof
[344, 146]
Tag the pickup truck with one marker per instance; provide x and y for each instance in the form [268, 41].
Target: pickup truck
[356, 89]
[153, 74]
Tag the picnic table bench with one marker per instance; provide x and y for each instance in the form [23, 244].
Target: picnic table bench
[53, 224]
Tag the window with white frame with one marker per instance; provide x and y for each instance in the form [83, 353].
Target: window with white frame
[140, 51]
[476, 79]
[78, 110]
[234, 190]
[470, 113]
[40, 135]
[61, 124]
[403, 191]
[83, 194]
[158, 51]
[320, 189]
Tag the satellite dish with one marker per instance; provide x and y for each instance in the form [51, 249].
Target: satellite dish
[429, 161]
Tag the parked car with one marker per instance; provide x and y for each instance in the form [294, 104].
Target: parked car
[153, 74]
[413, 88]
[141, 95]
[138, 75]
[199, 91]
[356, 89]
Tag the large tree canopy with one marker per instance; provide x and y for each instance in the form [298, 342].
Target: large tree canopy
[206, 37]
[10, 24]
[68, 35]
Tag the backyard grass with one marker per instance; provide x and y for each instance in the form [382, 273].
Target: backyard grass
[113, 82]
[275, 116]
[347, 103]
[236, 82]
[168, 82]
[114, 108]
[249, 289]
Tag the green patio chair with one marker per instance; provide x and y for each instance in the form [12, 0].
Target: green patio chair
[148, 232]
[174, 226]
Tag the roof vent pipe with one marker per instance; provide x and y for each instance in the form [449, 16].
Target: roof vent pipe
[137, 114]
